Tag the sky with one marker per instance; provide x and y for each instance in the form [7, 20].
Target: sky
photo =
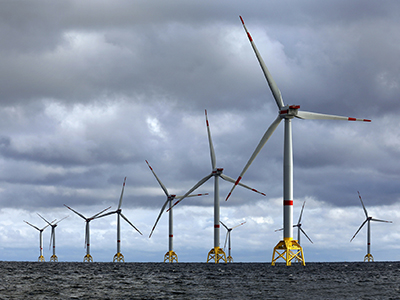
[89, 90]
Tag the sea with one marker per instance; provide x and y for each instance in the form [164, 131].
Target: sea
[75, 280]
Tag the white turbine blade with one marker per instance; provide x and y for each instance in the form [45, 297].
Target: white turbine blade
[226, 238]
[106, 214]
[129, 222]
[301, 229]
[238, 225]
[306, 115]
[43, 219]
[365, 210]
[301, 214]
[32, 225]
[212, 152]
[159, 181]
[224, 226]
[281, 229]
[359, 229]
[260, 145]
[194, 195]
[122, 194]
[93, 217]
[377, 220]
[227, 178]
[202, 181]
[60, 220]
[82, 216]
[271, 82]
[159, 216]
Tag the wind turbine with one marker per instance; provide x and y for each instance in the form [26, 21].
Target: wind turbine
[87, 257]
[41, 257]
[368, 257]
[53, 236]
[298, 225]
[119, 257]
[287, 248]
[228, 237]
[215, 253]
[170, 256]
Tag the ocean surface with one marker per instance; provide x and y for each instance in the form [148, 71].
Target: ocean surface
[75, 280]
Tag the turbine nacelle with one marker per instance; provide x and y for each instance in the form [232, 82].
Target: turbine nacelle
[289, 111]
[217, 171]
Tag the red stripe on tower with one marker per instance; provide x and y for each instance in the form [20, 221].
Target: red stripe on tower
[171, 235]
[288, 202]
[216, 226]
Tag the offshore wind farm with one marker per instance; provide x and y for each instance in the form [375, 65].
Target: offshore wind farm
[85, 101]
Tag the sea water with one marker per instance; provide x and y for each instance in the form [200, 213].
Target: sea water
[73, 280]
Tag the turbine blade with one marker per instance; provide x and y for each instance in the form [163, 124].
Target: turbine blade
[159, 216]
[61, 220]
[301, 229]
[238, 225]
[224, 226]
[377, 220]
[202, 181]
[100, 212]
[227, 178]
[212, 152]
[362, 203]
[82, 216]
[195, 195]
[359, 229]
[44, 219]
[271, 82]
[129, 222]
[122, 194]
[226, 238]
[32, 225]
[260, 145]
[306, 115]
[301, 214]
[280, 229]
[51, 238]
[106, 214]
[159, 181]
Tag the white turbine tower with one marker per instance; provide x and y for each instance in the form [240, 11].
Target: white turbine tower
[287, 248]
[41, 257]
[368, 257]
[53, 237]
[119, 257]
[228, 238]
[170, 256]
[87, 257]
[215, 253]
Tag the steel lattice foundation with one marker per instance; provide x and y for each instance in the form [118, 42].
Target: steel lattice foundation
[41, 258]
[87, 258]
[216, 254]
[170, 256]
[118, 257]
[288, 250]
[368, 257]
[54, 258]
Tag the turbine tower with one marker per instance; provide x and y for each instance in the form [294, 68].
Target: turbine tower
[41, 257]
[87, 257]
[170, 256]
[368, 257]
[119, 257]
[228, 237]
[286, 248]
[216, 253]
[53, 237]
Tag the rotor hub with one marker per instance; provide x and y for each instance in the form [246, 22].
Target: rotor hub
[289, 111]
[217, 171]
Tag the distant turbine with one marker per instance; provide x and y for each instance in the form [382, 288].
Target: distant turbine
[41, 257]
[287, 248]
[170, 256]
[368, 257]
[87, 257]
[299, 229]
[216, 253]
[119, 257]
[228, 237]
[53, 237]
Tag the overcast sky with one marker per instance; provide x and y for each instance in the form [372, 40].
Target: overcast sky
[89, 90]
